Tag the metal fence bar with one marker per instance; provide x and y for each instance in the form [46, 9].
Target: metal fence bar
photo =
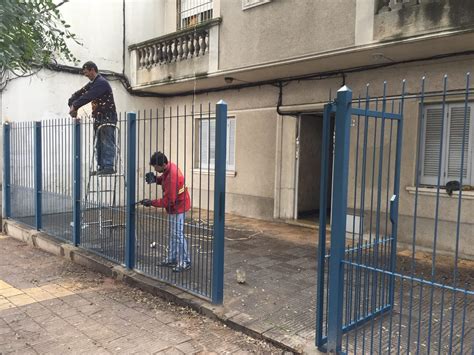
[131, 186]
[219, 203]
[38, 167]
[338, 226]
[76, 197]
[6, 171]
[322, 220]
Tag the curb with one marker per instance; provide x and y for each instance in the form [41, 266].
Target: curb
[233, 319]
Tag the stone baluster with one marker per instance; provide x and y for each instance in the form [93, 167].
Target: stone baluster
[202, 42]
[174, 49]
[155, 55]
[185, 47]
[169, 53]
[141, 58]
[162, 53]
[180, 47]
[190, 46]
[196, 45]
[151, 53]
[145, 57]
[206, 41]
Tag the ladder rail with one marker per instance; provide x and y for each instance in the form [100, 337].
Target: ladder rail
[101, 200]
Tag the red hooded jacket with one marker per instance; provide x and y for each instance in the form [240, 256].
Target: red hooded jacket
[175, 194]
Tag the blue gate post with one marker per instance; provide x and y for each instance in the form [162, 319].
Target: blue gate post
[338, 223]
[217, 295]
[76, 195]
[6, 171]
[38, 170]
[131, 168]
[323, 205]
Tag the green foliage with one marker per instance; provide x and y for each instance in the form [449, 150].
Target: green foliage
[32, 34]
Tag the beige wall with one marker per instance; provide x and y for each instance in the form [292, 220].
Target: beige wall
[283, 29]
[264, 184]
[429, 16]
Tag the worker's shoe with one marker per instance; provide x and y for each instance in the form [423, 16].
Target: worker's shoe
[182, 267]
[168, 263]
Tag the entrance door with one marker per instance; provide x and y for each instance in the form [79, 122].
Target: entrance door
[309, 167]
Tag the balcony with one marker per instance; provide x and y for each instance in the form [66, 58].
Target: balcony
[175, 58]
[397, 19]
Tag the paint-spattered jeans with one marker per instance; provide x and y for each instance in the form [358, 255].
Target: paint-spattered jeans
[178, 245]
[105, 146]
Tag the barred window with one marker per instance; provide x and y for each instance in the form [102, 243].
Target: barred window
[451, 126]
[193, 12]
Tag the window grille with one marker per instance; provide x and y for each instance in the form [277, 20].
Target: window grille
[193, 12]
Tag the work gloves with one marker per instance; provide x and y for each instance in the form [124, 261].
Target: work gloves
[150, 178]
[146, 202]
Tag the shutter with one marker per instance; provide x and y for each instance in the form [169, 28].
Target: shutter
[455, 143]
[212, 155]
[230, 144]
[203, 143]
[432, 141]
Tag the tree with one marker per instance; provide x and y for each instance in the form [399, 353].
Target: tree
[32, 34]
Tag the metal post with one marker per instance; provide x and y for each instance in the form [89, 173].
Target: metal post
[323, 204]
[77, 183]
[131, 168]
[338, 224]
[6, 171]
[38, 169]
[219, 204]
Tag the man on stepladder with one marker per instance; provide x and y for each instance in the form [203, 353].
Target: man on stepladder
[176, 202]
[99, 91]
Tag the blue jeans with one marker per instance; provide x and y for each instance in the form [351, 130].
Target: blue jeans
[178, 244]
[105, 146]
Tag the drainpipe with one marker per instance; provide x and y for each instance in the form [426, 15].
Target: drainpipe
[297, 147]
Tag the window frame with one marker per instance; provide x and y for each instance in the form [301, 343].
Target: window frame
[209, 165]
[432, 180]
[196, 18]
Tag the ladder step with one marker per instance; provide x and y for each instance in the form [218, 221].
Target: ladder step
[115, 226]
[108, 175]
[92, 223]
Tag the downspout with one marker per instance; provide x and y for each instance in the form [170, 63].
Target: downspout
[123, 37]
[297, 148]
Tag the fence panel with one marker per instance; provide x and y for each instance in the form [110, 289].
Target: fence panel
[22, 182]
[97, 210]
[57, 178]
[186, 135]
[103, 205]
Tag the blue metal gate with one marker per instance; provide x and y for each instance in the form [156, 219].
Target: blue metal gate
[374, 294]
[351, 267]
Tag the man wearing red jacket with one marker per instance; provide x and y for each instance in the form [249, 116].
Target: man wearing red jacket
[176, 202]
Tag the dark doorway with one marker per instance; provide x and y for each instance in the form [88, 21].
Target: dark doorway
[309, 171]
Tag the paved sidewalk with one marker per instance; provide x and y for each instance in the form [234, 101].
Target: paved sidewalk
[50, 305]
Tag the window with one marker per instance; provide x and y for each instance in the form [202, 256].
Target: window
[448, 126]
[248, 4]
[193, 12]
[206, 144]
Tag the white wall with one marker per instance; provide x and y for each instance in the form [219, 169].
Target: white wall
[99, 27]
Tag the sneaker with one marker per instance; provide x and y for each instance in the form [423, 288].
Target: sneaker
[180, 268]
[106, 171]
[168, 263]
[153, 245]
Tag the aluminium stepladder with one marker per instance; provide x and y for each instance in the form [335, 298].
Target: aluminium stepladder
[101, 196]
